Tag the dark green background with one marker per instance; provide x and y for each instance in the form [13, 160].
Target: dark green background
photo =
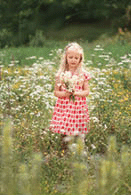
[20, 20]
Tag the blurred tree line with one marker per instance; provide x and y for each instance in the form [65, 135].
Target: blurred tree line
[20, 20]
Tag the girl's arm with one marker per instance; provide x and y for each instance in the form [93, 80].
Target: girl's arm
[58, 92]
[85, 91]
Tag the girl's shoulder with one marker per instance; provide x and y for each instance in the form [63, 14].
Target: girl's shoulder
[86, 75]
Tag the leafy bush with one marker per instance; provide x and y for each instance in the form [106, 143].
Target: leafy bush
[5, 38]
[38, 40]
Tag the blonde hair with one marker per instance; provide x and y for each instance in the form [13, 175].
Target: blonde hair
[64, 65]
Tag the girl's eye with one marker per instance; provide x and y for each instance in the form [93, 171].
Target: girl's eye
[70, 57]
[76, 58]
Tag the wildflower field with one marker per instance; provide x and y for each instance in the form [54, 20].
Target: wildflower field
[32, 160]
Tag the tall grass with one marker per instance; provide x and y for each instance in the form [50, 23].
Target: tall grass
[86, 175]
[28, 55]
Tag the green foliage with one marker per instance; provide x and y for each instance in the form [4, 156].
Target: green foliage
[76, 173]
[28, 55]
[5, 38]
[23, 18]
[38, 40]
[111, 170]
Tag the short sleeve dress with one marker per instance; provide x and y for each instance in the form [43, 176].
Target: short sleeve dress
[71, 118]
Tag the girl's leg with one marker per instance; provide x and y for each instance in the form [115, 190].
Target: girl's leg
[64, 144]
[83, 138]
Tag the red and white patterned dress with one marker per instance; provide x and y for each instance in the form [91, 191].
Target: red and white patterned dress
[71, 118]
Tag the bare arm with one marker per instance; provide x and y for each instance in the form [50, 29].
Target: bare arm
[85, 91]
[58, 92]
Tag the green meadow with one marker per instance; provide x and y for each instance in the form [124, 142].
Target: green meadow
[33, 161]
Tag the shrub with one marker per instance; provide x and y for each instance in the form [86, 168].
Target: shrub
[5, 38]
[38, 40]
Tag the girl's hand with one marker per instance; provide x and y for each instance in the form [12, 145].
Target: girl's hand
[67, 94]
[77, 93]
[83, 93]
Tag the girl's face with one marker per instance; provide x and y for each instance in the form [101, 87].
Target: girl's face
[73, 59]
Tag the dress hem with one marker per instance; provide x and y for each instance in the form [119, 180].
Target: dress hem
[70, 134]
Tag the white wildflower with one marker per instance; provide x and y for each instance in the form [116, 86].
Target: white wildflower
[93, 146]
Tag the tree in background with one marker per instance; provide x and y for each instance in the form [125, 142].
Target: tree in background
[20, 19]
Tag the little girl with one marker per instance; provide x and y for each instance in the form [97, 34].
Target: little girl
[71, 117]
